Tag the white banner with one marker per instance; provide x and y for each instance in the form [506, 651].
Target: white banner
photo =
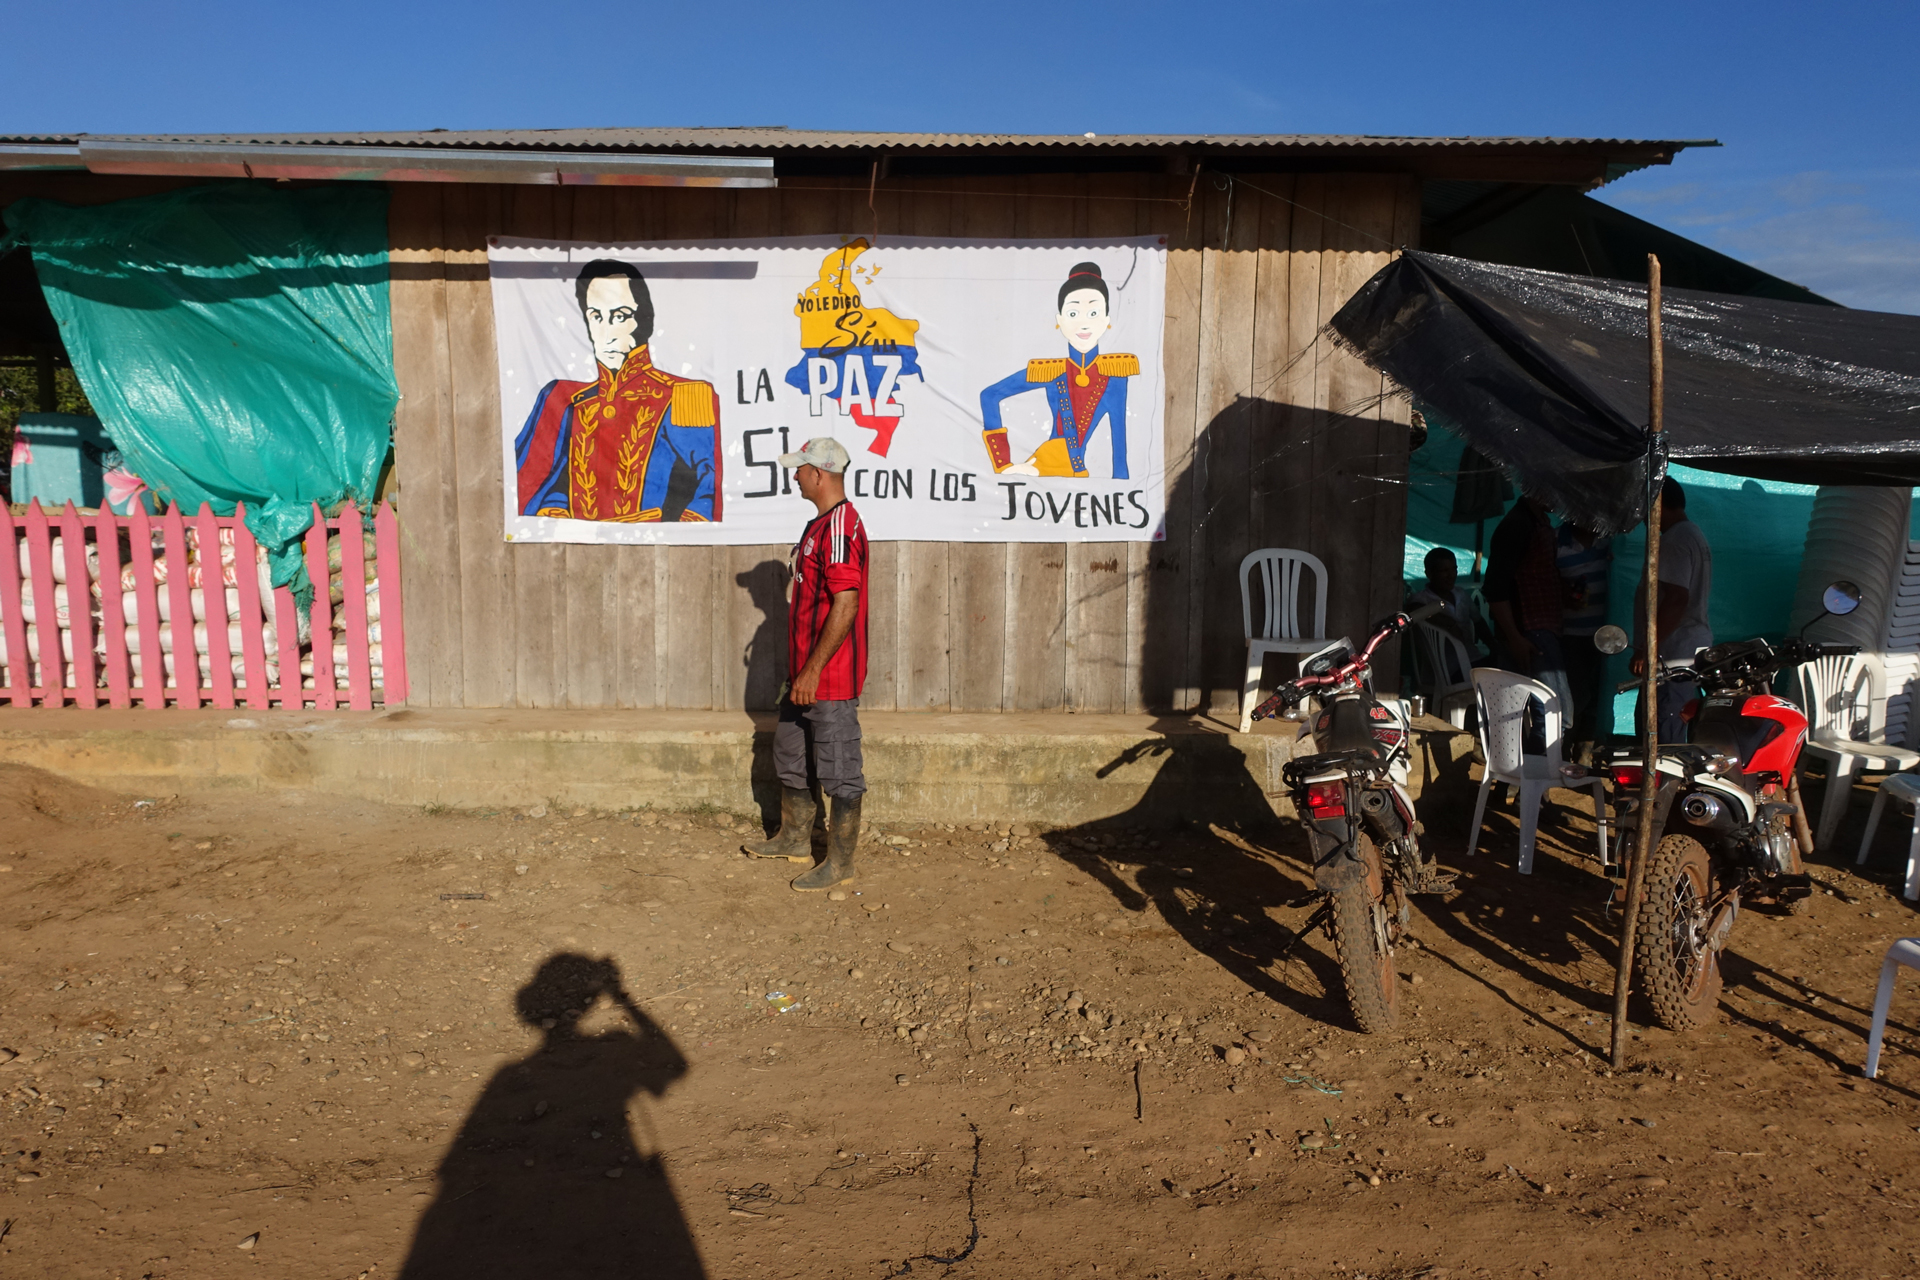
[987, 390]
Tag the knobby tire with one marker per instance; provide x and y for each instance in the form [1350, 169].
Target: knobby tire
[1681, 982]
[1373, 988]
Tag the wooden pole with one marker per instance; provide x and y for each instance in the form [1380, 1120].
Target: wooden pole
[1650, 693]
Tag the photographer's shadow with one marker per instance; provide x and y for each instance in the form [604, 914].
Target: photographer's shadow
[546, 1178]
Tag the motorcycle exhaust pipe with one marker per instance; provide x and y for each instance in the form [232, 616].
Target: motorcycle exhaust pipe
[1381, 813]
[1705, 811]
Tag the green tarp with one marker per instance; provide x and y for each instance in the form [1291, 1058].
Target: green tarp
[235, 339]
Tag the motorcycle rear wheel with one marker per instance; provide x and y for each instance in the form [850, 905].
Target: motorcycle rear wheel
[1363, 926]
[1678, 972]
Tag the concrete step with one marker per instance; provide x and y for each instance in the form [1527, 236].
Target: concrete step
[1049, 768]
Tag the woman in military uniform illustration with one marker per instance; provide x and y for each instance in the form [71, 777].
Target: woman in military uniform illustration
[1081, 389]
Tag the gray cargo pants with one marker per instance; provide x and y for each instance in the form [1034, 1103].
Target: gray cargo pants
[820, 743]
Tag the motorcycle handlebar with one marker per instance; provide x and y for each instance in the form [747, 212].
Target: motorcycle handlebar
[1640, 682]
[1286, 697]
[1671, 669]
[1786, 653]
[1291, 693]
[1426, 611]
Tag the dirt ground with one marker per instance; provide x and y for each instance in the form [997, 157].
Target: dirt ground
[256, 1036]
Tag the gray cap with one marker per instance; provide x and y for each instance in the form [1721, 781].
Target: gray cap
[823, 452]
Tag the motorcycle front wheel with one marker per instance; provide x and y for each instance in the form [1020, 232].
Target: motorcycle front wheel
[1363, 923]
[1677, 970]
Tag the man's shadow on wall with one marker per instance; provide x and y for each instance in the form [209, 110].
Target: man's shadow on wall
[765, 661]
[545, 1178]
[765, 657]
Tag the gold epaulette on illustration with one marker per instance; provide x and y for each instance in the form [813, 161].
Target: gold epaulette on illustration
[1045, 370]
[1119, 366]
[693, 404]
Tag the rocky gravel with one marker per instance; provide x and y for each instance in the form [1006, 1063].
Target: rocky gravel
[340, 1039]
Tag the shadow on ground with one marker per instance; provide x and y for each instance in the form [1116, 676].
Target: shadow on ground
[1222, 892]
[545, 1178]
[1229, 899]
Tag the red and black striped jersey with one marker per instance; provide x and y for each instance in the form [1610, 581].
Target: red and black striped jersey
[831, 556]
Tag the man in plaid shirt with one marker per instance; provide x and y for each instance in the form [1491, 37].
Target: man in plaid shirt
[818, 736]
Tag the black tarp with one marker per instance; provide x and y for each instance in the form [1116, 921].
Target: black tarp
[1546, 374]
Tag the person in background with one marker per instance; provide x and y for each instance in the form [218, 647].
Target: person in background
[1585, 560]
[1680, 618]
[1528, 601]
[1457, 617]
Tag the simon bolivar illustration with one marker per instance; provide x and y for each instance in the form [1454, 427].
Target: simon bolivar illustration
[637, 444]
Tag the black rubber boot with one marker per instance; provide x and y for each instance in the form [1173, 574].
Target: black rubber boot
[843, 834]
[794, 840]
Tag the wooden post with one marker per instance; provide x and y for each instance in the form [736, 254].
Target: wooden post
[1650, 695]
[113, 600]
[253, 632]
[326, 684]
[13, 619]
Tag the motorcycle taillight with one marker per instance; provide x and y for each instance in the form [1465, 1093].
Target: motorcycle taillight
[1627, 775]
[1327, 799]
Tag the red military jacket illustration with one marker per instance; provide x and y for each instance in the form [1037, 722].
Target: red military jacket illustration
[637, 446]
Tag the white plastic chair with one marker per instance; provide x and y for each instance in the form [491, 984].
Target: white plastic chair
[1441, 654]
[1834, 693]
[1906, 952]
[1503, 697]
[1280, 630]
[1904, 787]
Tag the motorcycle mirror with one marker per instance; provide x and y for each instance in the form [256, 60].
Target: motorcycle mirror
[1840, 598]
[1610, 639]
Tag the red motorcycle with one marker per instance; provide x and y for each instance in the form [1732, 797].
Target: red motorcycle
[1725, 810]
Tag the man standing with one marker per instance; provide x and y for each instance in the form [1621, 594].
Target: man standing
[1526, 597]
[818, 736]
[1586, 561]
[1680, 618]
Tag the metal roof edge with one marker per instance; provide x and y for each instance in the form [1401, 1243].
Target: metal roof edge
[783, 138]
[289, 161]
[1620, 169]
[40, 155]
[746, 157]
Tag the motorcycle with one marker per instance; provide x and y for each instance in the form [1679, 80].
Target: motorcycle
[1351, 794]
[1725, 811]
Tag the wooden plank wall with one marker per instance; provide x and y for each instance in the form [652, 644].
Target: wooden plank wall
[1274, 438]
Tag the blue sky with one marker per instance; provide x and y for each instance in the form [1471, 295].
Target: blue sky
[1819, 106]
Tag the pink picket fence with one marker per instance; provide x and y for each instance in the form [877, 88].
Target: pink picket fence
[98, 609]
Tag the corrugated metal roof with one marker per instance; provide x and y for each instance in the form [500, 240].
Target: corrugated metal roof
[777, 139]
[335, 162]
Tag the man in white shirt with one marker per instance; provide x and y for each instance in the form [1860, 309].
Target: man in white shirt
[1457, 617]
[1680, 619]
